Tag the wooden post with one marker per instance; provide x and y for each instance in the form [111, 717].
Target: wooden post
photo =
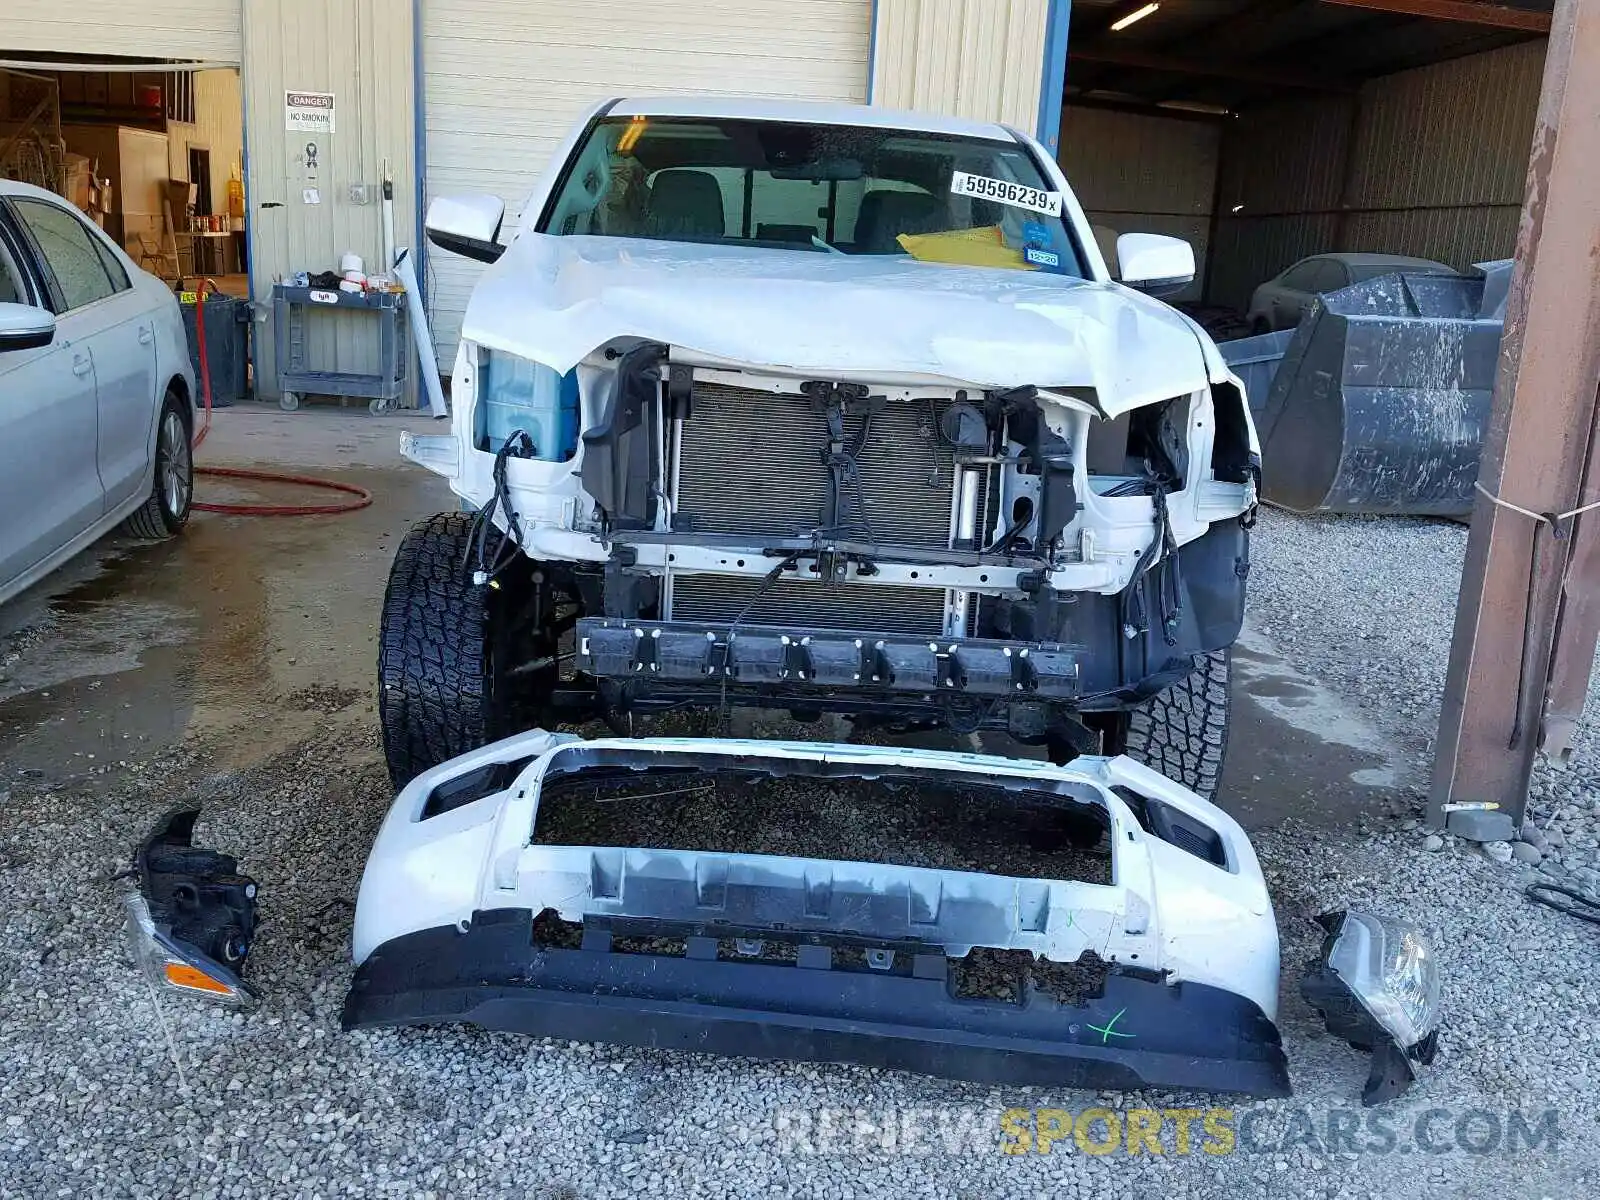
[1539, 455]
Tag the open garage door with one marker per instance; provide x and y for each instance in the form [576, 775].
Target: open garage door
[505, 79]
[208, 30]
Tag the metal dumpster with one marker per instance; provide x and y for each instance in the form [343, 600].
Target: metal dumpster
[1255, 361]
[1382, 397]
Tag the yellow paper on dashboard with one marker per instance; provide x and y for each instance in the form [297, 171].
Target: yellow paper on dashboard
[981, 247]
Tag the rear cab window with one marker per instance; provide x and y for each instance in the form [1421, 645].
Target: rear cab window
[816, 189]
[1331, 276]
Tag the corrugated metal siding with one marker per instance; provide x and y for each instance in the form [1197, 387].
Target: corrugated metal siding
[506, 79]
[1447, 146]
[1287, 158]
[1457, 133]
[175, 29]
[1147, 174]
[1458, 236]
[1437, 170]
[981, 59]
[360, 50]
[1248, 252]
[1285, 166]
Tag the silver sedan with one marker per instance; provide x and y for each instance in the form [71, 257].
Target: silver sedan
[96, 391]
[1280, 302]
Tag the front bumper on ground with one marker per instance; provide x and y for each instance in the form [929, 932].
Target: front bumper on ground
[445, 926]
[1140, 1033]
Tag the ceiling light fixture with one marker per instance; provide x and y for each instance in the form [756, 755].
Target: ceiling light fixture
[1137, 14]
[1196, 106]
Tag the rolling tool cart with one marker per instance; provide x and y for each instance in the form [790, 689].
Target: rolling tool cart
[290, 306]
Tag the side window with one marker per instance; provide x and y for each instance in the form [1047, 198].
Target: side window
[114, 269]
[11, 290]
[1330, 277]
[70, 251]
[1302, 277]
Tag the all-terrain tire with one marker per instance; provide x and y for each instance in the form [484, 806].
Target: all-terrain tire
[436, 677]
[165, 510]
[1183, 732]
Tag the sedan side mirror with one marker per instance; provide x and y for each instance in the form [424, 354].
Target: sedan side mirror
[1154, 263]
[467, 225]
[25, 327]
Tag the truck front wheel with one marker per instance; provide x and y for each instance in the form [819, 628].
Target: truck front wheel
[1183, 731]
[440, 693]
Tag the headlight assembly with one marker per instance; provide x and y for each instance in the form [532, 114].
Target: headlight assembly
[193, 917]
[1376, 985]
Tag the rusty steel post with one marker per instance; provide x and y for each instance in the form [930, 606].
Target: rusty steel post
[1577, 620]
[1537, 455]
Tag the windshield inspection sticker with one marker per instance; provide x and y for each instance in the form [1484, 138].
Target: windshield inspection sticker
[1016, 194]
[1041, 258]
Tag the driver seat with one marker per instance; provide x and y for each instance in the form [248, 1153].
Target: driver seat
[685, 203]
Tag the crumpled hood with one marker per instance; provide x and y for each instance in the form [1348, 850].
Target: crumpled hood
[555, 299]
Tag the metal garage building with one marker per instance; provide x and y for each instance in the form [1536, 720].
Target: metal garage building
[505, 78]
[1264, 132]
[472, 95]
[1260, 130]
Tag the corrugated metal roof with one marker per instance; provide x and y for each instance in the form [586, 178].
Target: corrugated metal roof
[1243, 53]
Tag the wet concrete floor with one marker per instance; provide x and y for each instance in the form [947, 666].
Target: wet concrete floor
[252, 630]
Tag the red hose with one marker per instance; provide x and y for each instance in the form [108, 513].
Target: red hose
[362, 496]
[207, 286]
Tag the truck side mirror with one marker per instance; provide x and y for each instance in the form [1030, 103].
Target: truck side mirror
[1154, 263]
[467, 225]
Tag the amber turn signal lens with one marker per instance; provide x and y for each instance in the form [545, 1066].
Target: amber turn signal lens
[184, 976]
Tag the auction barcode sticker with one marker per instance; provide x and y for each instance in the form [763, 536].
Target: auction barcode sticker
[1019, 195]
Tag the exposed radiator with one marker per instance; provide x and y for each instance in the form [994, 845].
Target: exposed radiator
[877, 608]
[751, 462]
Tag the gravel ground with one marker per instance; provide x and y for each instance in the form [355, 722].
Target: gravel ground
[104, 1091]
[947, 829]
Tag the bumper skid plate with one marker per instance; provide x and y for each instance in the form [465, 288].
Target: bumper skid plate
[1141, 1032]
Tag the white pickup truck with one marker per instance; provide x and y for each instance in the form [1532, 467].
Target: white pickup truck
[836, 409]
[827, 409]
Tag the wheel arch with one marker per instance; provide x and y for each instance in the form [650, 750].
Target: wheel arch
[175, 384]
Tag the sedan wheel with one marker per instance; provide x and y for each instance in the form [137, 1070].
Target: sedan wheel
[166, 509]
[177, 466]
